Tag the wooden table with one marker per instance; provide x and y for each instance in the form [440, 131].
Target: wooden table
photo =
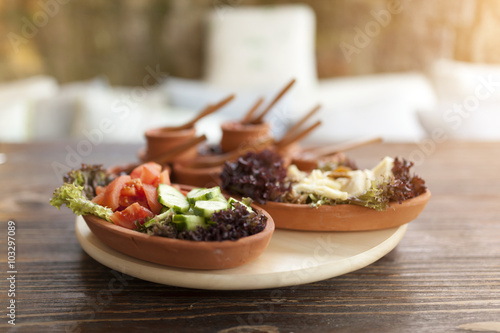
[445, 273]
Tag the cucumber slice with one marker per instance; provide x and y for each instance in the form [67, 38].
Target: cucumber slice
[172, 198]
[204, 194]
[187, 222]
[221, 198]
[207, 208]
[232, 201]
[194, 194]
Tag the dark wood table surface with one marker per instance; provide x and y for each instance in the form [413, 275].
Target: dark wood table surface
[444, 276]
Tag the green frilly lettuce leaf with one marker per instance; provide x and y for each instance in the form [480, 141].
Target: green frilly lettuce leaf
[73, 197]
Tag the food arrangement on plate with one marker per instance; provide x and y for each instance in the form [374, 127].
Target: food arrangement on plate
[265, 182]
[335, 197]
[141, 214]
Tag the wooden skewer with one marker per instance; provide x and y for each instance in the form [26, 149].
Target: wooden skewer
[299, 136]
[275, 100]
[295, 127]
[205, 112]
[317, 152]
[171, 154]
[211, 161]
[250, 112]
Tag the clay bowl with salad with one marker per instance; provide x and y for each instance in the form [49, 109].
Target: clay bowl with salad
[143, 215]
[336, 198]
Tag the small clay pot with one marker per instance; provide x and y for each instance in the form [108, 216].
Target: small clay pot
[182, 253]
[194, 176]
[236, 135]
[290, 151]
[161, 140]
[344, 217]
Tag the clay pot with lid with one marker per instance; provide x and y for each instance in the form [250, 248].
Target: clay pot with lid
[164, 139]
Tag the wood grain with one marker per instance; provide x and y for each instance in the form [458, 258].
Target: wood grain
[443, 276]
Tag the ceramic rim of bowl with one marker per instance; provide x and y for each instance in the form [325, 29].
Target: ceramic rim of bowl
[234, 126]
[344, 217]
[166, 132]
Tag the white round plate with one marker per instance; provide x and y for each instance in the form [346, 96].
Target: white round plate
[292, 258]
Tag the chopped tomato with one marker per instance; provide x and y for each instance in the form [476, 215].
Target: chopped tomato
[127, 217]
[100, 189]
[132, 191]
[99, 199]
[165, 177]
[135, 197]
[148, 173]
[151, 193]
[113, 191]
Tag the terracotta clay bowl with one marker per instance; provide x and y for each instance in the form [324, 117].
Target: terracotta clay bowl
[182, 253]
[236, 135]
[196, 176]
[345, 217]
[162, 140]
[290, 150]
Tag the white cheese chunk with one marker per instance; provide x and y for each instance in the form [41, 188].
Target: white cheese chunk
[321, 190]
[318, 182]
[357, 181]
[360, 181]
[383, 170]
[294, 174]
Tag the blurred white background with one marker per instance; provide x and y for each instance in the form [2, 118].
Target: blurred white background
[254, 51]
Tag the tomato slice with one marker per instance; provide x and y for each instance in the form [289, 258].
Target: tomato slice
[127, 217]
[165, 177]
[100, 189]
[99, 199]
[148, 173]
[113, 192]
[151, 193]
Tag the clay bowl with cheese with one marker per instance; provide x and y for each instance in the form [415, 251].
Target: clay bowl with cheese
[345, 217]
